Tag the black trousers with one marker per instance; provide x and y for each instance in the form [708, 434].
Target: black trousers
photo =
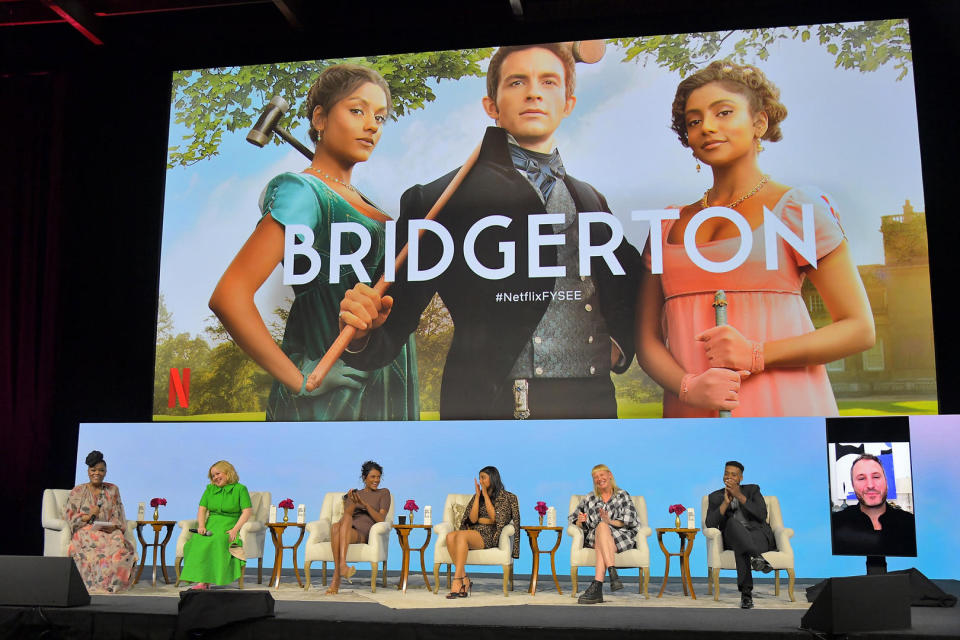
[744, 543]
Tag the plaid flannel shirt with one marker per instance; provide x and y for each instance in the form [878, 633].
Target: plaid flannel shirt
[620, 507]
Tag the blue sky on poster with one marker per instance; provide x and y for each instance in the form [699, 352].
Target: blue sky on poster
[852, 134]
[666, 461]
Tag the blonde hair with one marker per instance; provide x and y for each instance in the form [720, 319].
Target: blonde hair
[227, 468]
[613, 483]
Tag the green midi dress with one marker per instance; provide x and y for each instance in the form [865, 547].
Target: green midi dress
[207, 558]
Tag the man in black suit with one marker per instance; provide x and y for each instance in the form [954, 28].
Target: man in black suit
[740, 512]
[533, 337]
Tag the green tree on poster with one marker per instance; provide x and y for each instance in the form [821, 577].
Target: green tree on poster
[863, 46]
[224, 99]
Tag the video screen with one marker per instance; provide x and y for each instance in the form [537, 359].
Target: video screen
[871, 487]
[594, 262]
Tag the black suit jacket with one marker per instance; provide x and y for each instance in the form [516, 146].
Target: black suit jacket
[489, 335]
[755, 511]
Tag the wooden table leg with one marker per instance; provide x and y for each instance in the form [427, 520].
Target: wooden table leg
[143, 559]
[532, 536]
[163, 553]
[683, 573]
[553, 562]
[277, 558]
[685, 563]
[156, 540]
[296, 571]
[403, 537]
[423, 566]
[666, 574]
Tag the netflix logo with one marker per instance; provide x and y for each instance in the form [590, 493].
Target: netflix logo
[179, 388]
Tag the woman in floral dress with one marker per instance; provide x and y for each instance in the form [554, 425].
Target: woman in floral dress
[104, 557]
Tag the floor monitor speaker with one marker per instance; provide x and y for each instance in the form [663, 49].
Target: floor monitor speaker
[40, 581]
[861, 603]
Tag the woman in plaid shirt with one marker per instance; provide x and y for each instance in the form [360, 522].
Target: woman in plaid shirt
[609, 521]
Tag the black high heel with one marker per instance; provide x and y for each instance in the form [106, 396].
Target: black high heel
[456, 594]
[462, 591]
[466, 587]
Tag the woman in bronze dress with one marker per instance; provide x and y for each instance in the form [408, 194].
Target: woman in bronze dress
[361, 509]
[490, 509]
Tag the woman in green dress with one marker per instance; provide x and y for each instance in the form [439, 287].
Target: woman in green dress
[224, 508]
[348, 105]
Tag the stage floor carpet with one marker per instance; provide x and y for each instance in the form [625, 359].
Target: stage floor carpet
[148, 612]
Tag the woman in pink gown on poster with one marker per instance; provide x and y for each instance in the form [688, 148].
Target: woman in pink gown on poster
[769, 359]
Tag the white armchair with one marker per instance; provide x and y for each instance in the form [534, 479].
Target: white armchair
[502, 554]
[56, 531]
[252, 534]
[318, 547]
[638, 557]
[718, 558]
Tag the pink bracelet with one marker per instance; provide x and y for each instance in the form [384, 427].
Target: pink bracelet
[756, 363]
[684, 387]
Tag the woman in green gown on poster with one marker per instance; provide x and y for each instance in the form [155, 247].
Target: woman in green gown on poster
[224, 508]
[349, 104]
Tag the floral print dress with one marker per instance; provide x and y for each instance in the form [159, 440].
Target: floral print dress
[105, 560]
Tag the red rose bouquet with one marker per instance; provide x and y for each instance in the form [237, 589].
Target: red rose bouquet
[287, 504]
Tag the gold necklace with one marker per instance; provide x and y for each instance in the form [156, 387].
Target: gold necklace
[337, 180]
[763, 181]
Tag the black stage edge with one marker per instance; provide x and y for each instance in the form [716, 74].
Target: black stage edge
[150, 617]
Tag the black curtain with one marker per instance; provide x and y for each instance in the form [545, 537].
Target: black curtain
[83, 154]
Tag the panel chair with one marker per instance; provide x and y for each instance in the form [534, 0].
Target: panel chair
[638, 557]
[318, 547]
[501, 555]
[56, 531]
[252, 534]
[718, 559]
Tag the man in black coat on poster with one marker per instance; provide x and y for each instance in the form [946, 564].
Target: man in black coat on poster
[533, 337]
[740, 512]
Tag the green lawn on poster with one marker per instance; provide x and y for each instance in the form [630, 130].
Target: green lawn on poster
[628, 409]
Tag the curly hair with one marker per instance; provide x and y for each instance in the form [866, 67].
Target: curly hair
[335, 83]
[94, 458]
[369, 466]
[561, 50]
[745, 79]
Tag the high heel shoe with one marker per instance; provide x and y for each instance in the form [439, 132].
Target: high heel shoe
[466, 587]
[457, 593]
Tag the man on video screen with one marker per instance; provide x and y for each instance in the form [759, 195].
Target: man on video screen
[873, 526]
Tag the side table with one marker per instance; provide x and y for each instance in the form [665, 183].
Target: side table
[158, 526]
[276, 533]
[403, 535]
[532, 534]
[686, 536]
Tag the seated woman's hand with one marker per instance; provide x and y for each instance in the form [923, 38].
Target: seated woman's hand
[364, 309]
[726, 347]
[715, 388]
[232, 534]
[202, 530]
[581, 518]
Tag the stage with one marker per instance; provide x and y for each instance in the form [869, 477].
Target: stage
[148, 612]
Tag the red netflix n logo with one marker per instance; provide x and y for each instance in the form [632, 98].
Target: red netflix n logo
[179, 387]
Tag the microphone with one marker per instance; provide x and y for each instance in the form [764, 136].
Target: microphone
[261, 132]
[198, 533]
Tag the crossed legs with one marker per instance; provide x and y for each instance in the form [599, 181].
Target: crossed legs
[744, 544]
[458, 544]
[342, 535]
[606, 550]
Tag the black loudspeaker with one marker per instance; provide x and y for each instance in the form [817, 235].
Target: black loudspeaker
[39, 581]
[205, 610]
[861, 603]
